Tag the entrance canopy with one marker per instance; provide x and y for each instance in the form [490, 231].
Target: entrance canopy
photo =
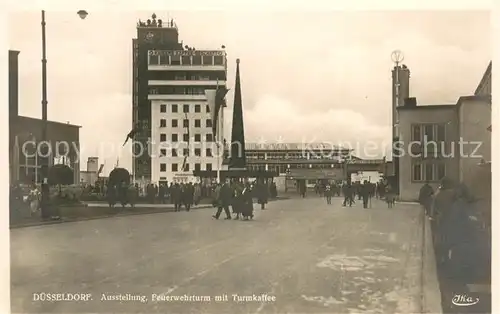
[235, 174]
[317, 174]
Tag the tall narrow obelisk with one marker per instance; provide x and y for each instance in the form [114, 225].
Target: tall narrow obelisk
[237, 158]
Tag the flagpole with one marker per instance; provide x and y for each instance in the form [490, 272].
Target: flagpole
[15, 161]
[219, 166]
[36, 167]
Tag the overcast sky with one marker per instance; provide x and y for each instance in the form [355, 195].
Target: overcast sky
[305, 76]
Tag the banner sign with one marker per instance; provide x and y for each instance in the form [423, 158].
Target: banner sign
[186, 53]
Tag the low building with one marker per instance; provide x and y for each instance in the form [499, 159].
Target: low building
[445, 140]
[25, 163]
[306, 161]
[25, 133]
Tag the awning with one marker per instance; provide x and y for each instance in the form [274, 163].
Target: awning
[205, 174]
[236, 174]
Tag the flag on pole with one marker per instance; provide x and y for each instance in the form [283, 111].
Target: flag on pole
[100, 169]
[216, 99]
[131, 135]
[184, 163]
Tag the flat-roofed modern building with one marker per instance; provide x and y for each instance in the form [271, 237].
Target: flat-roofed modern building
[458, 140]
[170, 106]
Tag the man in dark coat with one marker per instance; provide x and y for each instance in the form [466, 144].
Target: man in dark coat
[440, 211]
[175, 194]
[302, 188]
[161, 194]
[348, 191]
[365, 190]
[261, 192]
[187, 196]
[111, 195]
[328, 193]
[223, 197]
[425, 197]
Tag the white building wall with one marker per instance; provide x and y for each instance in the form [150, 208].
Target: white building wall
[156, 146]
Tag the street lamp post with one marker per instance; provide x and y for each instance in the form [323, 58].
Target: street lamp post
[44, 161]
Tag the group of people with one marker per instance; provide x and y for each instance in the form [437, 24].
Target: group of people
[179, 194]
[451, 209]
[364, 191]
[185, 195]
[239, 195]
[32, 198]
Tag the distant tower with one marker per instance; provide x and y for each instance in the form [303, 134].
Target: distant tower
[400, 87]
[93, 164]
[170, 104]
[152, 35]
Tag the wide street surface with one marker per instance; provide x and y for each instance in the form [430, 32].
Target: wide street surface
[305, 255]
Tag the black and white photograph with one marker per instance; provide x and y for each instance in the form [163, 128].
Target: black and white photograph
[249, 160]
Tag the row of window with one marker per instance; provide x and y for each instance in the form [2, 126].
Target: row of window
[174, 108]
[283, 168]
[187, 75]
[177, 167]
[169, 90]
[428, 170]
[185, 60]
[295, 156]
[174, 137]
[185, 152]
[429, 132]
[185, 123]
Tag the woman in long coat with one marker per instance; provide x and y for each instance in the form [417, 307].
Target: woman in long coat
[247, 202]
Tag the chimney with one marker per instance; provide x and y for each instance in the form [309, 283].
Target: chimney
[410, 102]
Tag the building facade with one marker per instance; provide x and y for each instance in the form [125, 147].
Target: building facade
[447, 140]
[170, 108]
[25, 134]
[418, 162]
[310, 162]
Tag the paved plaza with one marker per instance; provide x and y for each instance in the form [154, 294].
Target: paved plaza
[299, 256]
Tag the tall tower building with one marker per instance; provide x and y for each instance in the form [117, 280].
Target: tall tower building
[400, 91]
[170, 109]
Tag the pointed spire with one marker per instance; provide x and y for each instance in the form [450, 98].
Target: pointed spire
[237, 157]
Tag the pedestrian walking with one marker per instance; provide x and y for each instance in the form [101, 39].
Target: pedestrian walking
[425, 197]
[262, 193]
[34, 200]
[223, 196]
[328, 193]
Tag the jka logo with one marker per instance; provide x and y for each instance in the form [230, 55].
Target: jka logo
[464, 300]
